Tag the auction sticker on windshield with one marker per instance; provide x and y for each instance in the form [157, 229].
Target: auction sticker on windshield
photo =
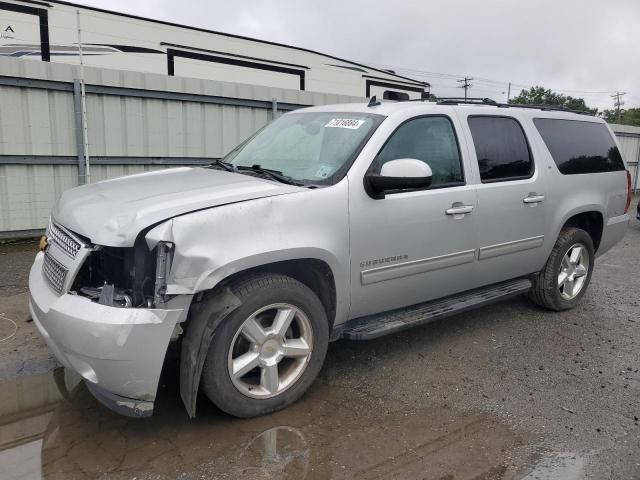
[350, 123]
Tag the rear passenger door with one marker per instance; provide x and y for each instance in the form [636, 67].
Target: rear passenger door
[513, 206]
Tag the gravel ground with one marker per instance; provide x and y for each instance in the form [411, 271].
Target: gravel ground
[507, 391]
[23, 351]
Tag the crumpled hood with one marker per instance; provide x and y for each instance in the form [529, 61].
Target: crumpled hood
[113, 212]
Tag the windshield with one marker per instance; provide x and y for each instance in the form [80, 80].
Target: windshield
[311, 147]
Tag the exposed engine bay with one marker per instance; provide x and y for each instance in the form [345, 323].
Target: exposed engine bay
[125, 277]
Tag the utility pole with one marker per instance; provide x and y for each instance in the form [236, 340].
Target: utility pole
[509, 93]
[618, 104]
[83, 97]
[466, 84]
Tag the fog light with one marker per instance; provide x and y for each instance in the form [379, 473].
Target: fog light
[44, 242]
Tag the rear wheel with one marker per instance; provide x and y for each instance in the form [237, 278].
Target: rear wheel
[567, 273]
[269, 350]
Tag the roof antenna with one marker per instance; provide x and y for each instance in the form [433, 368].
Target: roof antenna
[373, 102]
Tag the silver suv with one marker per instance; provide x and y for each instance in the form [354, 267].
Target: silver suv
[345, 221]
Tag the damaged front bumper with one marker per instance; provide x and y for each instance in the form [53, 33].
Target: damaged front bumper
[118, 351]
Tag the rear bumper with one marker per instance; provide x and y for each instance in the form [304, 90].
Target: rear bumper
[613, 232]
[118, 351]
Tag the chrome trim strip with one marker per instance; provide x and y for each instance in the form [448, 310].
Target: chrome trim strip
[414, 267]
[510, 247]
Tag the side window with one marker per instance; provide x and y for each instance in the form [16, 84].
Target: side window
[578, 146]
[432, 140]
[501, 147]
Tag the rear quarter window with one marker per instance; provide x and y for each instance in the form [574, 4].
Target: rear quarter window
[579, 147]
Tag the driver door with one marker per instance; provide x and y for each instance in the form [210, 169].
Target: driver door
[414, 246]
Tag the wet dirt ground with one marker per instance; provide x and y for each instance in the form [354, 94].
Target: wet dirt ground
[509, 391]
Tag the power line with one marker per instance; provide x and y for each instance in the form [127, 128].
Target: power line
[466, 84]
[486, 81]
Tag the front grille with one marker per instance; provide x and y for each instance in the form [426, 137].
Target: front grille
[64, 239]
[54, 273]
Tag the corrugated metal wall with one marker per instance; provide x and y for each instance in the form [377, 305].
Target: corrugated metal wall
[136, 122]
[629, 140]
[36, 122]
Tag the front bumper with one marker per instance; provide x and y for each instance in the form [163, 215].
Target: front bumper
[118, 351]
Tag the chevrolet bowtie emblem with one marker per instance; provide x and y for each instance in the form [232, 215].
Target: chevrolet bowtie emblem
[44, 241]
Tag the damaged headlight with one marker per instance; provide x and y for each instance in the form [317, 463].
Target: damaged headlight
[164, 256]
[126, 277]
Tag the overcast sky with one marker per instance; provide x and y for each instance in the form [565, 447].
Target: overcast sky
[585, 48]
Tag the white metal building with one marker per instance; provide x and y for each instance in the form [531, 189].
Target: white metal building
[48, 31]
[629, 140]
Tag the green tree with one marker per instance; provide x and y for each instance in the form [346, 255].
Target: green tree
[629, 116]
[544, 96]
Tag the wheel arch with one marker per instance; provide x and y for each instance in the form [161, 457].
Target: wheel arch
[211, 307]
[312, 272]
[591, 221]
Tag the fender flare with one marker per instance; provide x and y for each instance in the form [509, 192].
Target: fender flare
[206, 315]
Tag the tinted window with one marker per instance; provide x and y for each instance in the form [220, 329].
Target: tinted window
[430, 139]
[501, 148]
[579, 147]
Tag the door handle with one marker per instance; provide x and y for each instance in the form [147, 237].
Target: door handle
[532, 198]
[459, 209]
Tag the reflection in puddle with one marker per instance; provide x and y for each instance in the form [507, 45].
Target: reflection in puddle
[26, 408]
[332, 433]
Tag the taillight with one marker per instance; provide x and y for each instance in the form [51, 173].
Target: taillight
[629, 192]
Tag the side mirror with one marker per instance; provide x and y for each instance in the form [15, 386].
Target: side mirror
[401, 174]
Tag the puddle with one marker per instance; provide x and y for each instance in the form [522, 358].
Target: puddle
[332, 433]
[562, 466]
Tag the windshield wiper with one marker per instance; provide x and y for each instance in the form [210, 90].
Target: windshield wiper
[226, 165]
[273, 174]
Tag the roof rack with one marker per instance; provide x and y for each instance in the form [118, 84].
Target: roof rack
[471, 100]
[488, 101]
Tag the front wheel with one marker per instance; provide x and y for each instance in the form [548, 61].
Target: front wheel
[566, 275]
[269, 350]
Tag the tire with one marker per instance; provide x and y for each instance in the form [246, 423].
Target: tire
[547, 290]
[264, 296]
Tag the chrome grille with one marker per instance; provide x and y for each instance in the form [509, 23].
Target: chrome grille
[64, 239]
[54, 273]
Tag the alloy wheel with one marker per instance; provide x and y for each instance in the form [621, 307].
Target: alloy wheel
[573, 271]
[270, 350]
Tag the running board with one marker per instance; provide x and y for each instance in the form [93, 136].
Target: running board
[378, 325]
